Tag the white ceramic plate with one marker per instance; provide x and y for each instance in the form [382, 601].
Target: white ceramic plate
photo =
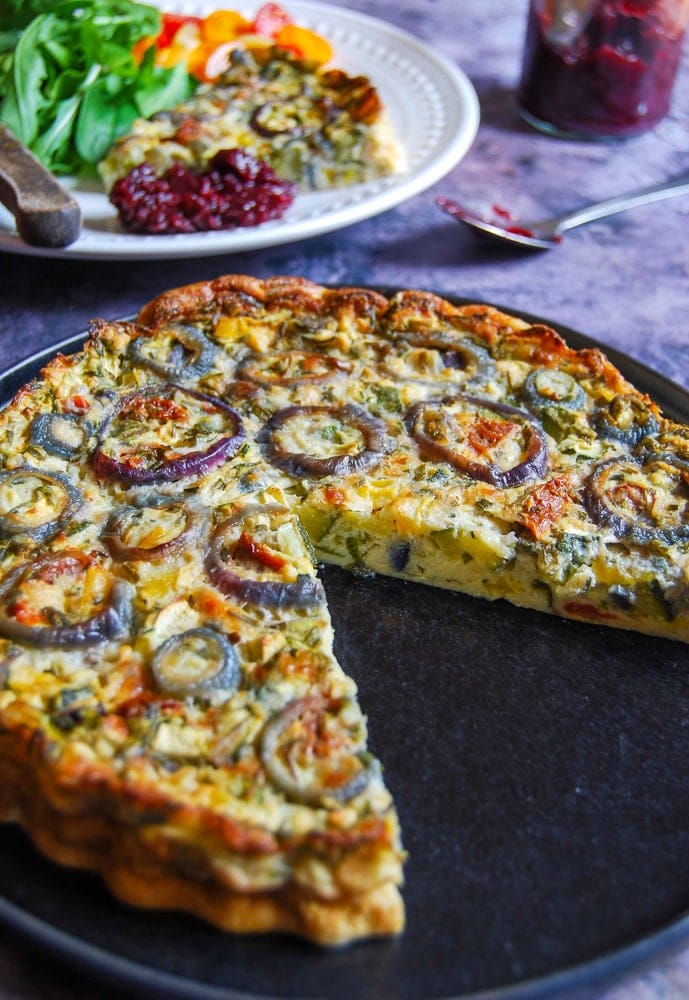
[434, 110]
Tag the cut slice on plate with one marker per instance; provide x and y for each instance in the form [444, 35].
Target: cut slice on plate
[319, 127]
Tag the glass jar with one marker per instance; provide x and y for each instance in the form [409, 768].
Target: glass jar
[600, 68]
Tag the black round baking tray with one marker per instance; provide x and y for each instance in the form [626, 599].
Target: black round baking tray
[539, 767]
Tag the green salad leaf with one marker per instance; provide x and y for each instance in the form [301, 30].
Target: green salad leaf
[69, 83]
[16, 14]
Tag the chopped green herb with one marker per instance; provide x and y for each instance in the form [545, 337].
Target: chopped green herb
[388, 398]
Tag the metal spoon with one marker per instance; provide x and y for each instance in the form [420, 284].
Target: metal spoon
[547, 233]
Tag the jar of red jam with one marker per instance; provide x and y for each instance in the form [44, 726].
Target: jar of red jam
[600, 69]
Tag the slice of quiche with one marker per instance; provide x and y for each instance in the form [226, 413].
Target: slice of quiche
[319, 127]
[171, 712]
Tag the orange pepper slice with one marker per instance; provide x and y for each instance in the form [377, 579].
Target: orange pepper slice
[305, 43]
[140, 48]
[197, 59]
[223, 26]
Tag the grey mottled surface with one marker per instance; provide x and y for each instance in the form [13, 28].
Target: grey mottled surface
[624, 281]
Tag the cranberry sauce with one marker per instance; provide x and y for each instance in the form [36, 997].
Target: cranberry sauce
[236, 190]
[613, 79]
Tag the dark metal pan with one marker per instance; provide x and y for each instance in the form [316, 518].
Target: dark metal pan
[540, 768]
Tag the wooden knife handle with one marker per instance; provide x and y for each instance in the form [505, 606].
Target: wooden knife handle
[45, 214]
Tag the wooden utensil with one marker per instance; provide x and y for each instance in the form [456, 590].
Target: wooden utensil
[46, 215]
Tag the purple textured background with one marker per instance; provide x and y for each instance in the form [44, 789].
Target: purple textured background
[623, 280]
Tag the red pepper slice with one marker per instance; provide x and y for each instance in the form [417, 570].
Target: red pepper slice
[260, 552]
[171, 23]
[26, 614]
[483, 435]
[230, 577]
[270, 18]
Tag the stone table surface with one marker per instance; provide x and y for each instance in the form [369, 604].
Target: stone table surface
[623, 281]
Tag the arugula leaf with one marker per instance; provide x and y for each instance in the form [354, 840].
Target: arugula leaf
[103, 115]
[69, 83]
[16, 14]
[53, 144]
[30, 71]
[160, 88]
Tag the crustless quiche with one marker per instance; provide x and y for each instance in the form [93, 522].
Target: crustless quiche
[171, 712]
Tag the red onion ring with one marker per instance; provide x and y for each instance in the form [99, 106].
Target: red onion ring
[300, 464]
[281, 777]
[119, 550]
[113, 622]
[532, 467]
[192, 465]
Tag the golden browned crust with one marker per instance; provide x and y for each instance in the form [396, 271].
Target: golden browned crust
[412, 309]
[73, 786]
[110, 849]
[237, 294]
[370, 914]
[82, 818]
